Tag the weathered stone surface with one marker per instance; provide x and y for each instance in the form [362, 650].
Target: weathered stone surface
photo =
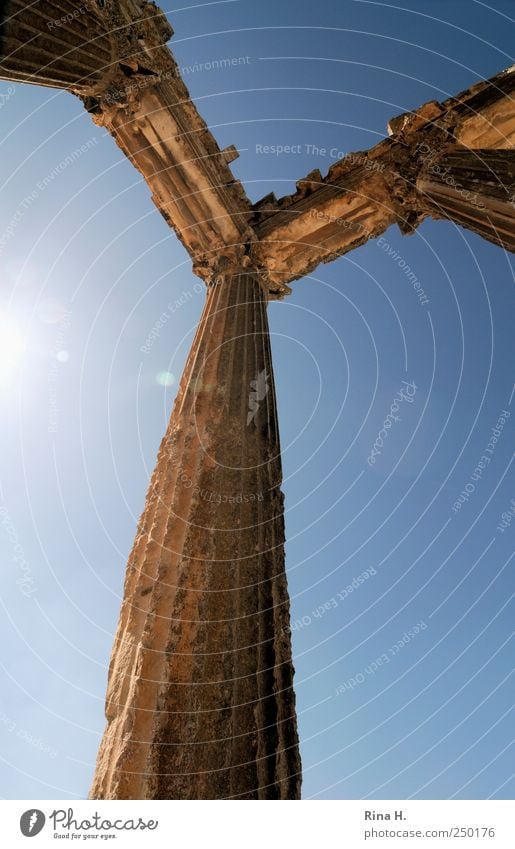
[200, 703]
[473, 188]
[367, 191]
[337, 214]
[116, 60]
[54, 43]
[87, 47]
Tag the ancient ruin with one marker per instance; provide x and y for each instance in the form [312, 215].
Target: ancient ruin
[200, 701]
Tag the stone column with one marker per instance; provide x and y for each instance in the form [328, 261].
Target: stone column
[86, 46]
[59, 43]
[474, 188]
[200, 702]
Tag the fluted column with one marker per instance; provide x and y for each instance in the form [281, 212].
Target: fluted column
[474, 188]
[59, 43]
[200, 702]
[88, 47]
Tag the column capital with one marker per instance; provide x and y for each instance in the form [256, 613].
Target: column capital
[233, 261]
[229, 262]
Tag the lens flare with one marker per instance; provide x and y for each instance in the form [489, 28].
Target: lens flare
[165, 378]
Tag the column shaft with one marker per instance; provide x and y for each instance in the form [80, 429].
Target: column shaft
[200, 703]
[58, 43]
[474, 188]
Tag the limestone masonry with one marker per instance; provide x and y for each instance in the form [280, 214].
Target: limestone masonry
[200, 701]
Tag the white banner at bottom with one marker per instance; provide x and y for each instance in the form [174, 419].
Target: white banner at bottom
[265, 825]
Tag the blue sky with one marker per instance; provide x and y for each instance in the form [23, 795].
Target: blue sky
[87, 269]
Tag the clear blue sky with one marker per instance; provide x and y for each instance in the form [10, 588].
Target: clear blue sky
[88, 268]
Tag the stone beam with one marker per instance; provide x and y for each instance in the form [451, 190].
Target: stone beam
[482, 116]
[114, 57]
[324, 219]
[200, 702]
[367, 191]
